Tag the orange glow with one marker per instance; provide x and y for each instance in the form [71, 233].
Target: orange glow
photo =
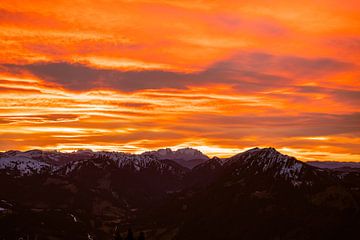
[222, 76]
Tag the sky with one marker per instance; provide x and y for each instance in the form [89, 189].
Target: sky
[220, 76]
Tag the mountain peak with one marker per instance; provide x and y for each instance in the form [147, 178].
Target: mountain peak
[187, 157]
[179, 154]
[269, 161]
[268, 152]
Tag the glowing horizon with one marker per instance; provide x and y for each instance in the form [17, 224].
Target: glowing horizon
[219, 76]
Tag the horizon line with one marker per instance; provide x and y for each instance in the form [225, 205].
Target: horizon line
[302, 156]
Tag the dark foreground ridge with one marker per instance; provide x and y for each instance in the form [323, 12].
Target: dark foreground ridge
[165, 194]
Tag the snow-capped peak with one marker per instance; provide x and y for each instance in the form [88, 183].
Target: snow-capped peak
[186, 154]
[269, 160]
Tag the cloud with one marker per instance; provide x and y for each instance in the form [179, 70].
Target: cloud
[343, 95]
[38, 119]
[305, 124]
[81, 77]
[294, 66]
[248, 72]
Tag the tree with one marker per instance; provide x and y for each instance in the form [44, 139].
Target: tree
[130, 235]
[141, 236]
[117, 235]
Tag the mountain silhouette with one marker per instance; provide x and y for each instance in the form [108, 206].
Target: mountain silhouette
[257, 194]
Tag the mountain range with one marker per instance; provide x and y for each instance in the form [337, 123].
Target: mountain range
[183, 194]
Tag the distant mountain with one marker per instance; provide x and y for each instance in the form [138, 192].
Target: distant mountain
[256, 194]
[187, 157]
[334, 165]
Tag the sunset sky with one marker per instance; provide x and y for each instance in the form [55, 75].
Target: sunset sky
[220, 76]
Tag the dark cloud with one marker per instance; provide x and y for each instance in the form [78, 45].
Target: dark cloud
[307, 124]
[303, 67]
[81, 77]
[295, 66]
[343, 95]
[247, 72]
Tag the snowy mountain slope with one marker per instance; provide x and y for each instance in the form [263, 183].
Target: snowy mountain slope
[272, 163]
[50, 157]
[21, 165]
[37, 161]
[118, 160]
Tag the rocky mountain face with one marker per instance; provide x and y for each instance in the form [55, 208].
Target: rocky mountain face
[187, 157]
[257, 194]
[275, 167]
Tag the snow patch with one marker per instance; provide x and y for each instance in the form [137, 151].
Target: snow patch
[23, 165]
